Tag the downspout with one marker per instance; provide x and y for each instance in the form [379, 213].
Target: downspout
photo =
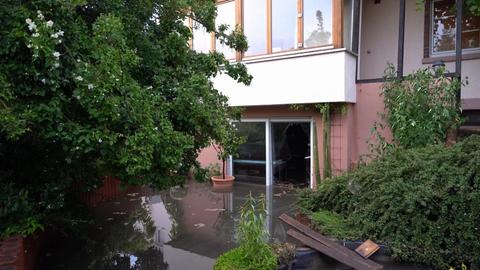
[458, 47]
[401, 39]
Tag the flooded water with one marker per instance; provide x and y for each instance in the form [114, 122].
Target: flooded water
[181, 228]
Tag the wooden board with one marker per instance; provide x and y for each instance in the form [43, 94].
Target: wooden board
[367, 249]
[327, 246]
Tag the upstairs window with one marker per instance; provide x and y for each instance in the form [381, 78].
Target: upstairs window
[284, 25]
[255, 26]
[317, 23]
[272, 26]
[202, 40]
[225, 15]
[443, 24]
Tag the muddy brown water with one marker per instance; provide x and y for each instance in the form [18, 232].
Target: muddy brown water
[181, 228]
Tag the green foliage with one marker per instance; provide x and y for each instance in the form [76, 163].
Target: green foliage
[253, 252]
[316, 161]
[421, 108]
[17, 213]
[239, 259]
[325, 109]
[89, 88]
[473, 6]
[333, 224]
[204, 174]
[227, 145]
[422, 202]
[464, 267]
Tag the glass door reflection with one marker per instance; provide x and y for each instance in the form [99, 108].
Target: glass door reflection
[250, 163]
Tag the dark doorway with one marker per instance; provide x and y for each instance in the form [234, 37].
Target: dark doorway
[291, 153]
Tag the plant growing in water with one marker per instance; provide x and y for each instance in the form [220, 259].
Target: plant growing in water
[253, 253]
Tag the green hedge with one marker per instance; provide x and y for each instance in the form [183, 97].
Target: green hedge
[424, 203]
[240, 259]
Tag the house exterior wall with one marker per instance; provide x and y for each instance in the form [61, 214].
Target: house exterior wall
[326, 76]
[379, 45]
[343, 145]
[367, 111]
[305, 77]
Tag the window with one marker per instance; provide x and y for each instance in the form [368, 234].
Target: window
[443, 24]
[317, 22]
[272, 26]
[225, 15]
[284, 25]
[255, 26]
[202, 40]
[348, 24]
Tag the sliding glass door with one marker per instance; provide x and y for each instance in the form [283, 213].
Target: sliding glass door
[291, 153]
[250, 163]
[275, 152]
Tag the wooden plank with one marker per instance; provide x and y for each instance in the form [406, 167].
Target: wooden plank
[316, 236]
[354, 262]
[338, 249]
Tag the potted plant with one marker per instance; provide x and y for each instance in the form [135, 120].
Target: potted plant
[226, 147]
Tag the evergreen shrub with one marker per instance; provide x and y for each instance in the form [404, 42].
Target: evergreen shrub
[424, 203]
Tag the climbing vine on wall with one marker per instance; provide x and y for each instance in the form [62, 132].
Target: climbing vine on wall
[326, 110]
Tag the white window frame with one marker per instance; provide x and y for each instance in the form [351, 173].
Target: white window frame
[269, 143]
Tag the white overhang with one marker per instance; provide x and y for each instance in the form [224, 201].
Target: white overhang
[312, 77]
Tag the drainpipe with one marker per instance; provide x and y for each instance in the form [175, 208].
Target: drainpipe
[401, 39]
[458, 46]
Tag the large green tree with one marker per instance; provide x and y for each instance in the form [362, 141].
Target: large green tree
[105, 87]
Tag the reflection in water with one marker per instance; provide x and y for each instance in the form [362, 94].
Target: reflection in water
[174, 229]
[182, 228]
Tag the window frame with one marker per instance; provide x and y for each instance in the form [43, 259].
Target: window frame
[448, 56]
[213, 46]
[337, 29]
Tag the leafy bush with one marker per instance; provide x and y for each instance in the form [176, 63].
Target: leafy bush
[253, 253]
[422, 107]
[333, 224]
[204, 174]
[90, 88]
[17, 213]
[424, 202]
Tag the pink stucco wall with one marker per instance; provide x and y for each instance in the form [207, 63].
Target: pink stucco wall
[366, 112]
[350, 131]
[340, 151]
[208, 156]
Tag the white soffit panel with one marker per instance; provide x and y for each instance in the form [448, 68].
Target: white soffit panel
[326, 77]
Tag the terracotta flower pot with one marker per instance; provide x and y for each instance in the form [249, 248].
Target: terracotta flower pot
[219, 181]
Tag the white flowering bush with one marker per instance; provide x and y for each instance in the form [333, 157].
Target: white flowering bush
[95, 88]
[44, 40]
